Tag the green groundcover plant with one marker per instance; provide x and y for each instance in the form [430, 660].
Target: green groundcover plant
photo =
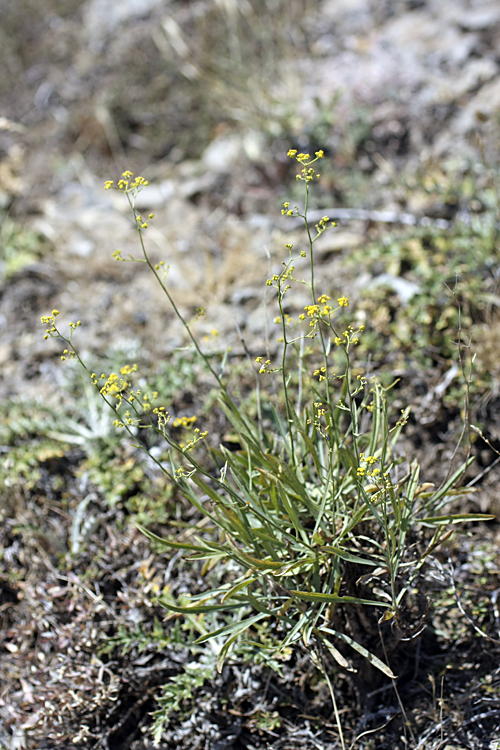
[314, 520]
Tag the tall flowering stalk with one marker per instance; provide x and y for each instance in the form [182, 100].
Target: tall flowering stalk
[317, 514]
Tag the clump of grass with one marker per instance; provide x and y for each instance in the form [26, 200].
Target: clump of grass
[19, 247]
[317, 524]
[416, 329]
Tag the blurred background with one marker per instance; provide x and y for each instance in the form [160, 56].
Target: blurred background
[204, 98]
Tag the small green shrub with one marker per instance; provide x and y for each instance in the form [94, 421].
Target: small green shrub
[19, 247]
[320, 529]
[417, 330]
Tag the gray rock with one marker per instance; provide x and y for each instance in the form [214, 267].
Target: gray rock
[102, 17]
[402, 287]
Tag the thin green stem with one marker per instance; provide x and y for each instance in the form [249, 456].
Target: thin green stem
[172, 302]
[288, 403]
[334, 701]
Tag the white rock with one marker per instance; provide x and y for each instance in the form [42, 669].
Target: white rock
[402, 287]
[223, 153]
[102, 17]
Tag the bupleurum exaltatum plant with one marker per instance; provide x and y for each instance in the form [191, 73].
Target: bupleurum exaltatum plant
[321, 529]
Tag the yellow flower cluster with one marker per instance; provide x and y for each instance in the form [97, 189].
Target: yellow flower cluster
[162, 417]
[348, 337]
[127, 420]
[114, 386]
[317, 311]
[49, 320]
[184, 421]
[141, 223]
[311, 310]
[121, 389]
[125, 184]
[403, 418]
[307, 173]
[366, 470]
[320, 414]
[304, 158]
[278, 278]
[52, 333]
[323, 224]
[321, 410]
[287, 211]
[68, 354]
[288, 320]
[198, 437]
[182, 472]
[320, 373]
[265, 367]
[128, 369]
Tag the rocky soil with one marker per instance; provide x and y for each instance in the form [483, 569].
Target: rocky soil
[204, 98]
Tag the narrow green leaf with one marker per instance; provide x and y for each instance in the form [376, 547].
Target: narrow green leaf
[307, 440]
[297, 630]
[339, 658]
[354, 520]
[234, 629]
[348, 557]
[242, 426]
[261, 604]
[200, 608]
[378, 663]
[208, 555]
[288, 567]
[457, 518]
[287, 475]
[224, 651]
[412, 486]
[167, 543]
[239, 587]
[265, 539]
[253, 562]
[292, 514]
[204, 487]
[190, 495]
[316, 596]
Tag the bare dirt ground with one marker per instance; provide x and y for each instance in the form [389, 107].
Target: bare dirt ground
[204, 99]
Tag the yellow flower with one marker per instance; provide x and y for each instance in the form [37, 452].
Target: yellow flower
[184, 421]
[311, 310]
